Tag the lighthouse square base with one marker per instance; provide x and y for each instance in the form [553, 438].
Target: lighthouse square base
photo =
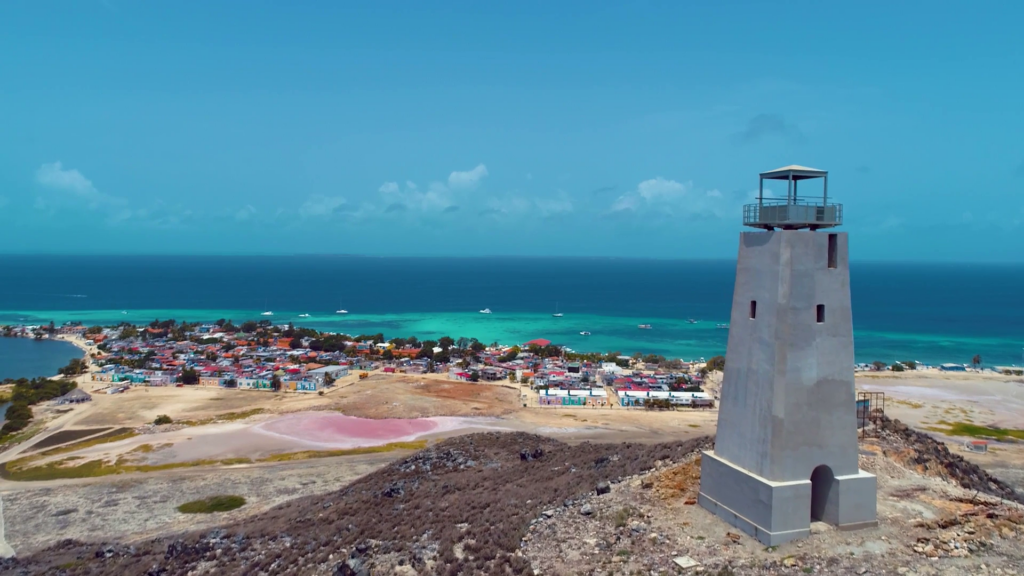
[778, 512]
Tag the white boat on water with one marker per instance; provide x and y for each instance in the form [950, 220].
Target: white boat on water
[341, 311]
[692, 321]
[584, 333]
[485, 311]
[557, 314]
[644, 326]
[726, 326]
[267, 313]
[303, 315]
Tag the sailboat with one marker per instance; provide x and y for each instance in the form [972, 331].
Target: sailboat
[341, 311]
[557, 314]
[266, 312]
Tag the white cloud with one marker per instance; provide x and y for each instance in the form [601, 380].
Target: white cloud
[319, 205]
[436, 197]
[53, 176]
[660, 188]
[557, 204]
[467, 180]
[245, 213]
[669, 198]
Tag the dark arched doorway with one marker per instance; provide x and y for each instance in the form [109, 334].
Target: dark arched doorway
[822, 480]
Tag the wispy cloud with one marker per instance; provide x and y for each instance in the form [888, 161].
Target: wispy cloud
[245, 213]
[664, 197]
[395, 207]
[467, 180]
[559, 203]
[652, 191]
[320, 206]
[768, 125]
[437, 196]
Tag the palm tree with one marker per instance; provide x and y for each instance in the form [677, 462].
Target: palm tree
[976, 361]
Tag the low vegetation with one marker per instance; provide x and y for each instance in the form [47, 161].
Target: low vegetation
[66, 468]
[226, 417]
[975, 431]
[26, 393]
[163, 419]
[212, 504]
[310, 454]
[23, 470]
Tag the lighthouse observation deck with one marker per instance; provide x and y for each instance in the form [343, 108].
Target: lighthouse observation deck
[792, 212]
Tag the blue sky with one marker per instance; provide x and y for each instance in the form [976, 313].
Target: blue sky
[534, 128]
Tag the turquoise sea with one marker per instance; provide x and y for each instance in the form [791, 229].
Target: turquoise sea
[926, 312]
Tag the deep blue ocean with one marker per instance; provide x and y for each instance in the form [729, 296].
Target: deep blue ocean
[928, 312]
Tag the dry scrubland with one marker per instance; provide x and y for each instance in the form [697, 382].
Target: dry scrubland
[442, 493]
[516, 503]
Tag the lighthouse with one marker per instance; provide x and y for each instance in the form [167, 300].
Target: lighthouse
[786, 448]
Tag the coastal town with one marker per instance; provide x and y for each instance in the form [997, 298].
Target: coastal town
[259, 356]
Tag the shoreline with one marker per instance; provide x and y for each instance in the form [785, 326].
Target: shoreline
[74, 341]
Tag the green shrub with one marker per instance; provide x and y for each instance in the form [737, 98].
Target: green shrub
[163, 419]
[212, 504]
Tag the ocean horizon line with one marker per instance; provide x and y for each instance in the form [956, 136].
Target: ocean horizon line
[548, 257]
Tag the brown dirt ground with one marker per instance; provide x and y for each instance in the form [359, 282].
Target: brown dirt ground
[412, 397]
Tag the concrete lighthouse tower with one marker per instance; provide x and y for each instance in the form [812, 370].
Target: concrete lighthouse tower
[786, 450]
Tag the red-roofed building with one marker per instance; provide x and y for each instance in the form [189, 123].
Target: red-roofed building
[539, 342]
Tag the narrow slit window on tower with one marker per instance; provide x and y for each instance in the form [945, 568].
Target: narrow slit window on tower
[753, 309]
[833, 250]
[821, 313]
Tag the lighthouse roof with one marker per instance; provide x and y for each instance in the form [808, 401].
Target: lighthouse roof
[797, 172]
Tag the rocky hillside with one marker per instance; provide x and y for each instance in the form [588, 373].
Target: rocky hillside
[460, 507]
[515, 503]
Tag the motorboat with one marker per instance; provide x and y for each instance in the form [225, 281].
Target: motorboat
[584, 333]
[724, 326]
[303, 315]
[692, 321]
[485, 311]
[644, 326]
